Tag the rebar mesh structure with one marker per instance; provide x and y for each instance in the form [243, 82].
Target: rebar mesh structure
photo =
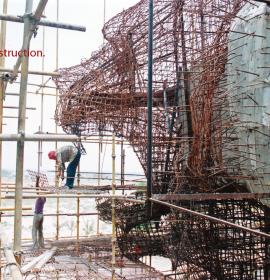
[222, 251]
[199, 248]
[195, 136]
[210, 118]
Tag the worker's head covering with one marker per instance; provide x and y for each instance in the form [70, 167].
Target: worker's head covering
[52, 155]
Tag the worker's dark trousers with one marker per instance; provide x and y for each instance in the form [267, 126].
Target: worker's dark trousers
[37, 231]
[71, 170]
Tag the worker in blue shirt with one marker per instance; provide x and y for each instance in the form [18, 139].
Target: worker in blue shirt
[69, 154]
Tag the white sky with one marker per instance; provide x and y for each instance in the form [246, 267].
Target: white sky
[73, 46]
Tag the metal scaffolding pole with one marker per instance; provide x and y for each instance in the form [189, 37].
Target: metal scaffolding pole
[57, 178]
[40, 143]
[30, 23]
[2, 83]
[2, 87]
[113, 209]
[21, 130]
[38, 137]
[99, 172]
[42, 73]
[150, 103]
[45, 23]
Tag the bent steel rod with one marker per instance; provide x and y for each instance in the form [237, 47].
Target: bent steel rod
[214, 219]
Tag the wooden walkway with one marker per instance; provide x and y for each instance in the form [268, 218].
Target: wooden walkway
[89, 258]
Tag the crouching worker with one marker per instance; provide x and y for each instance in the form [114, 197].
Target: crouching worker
[69, 154]
[37, 230]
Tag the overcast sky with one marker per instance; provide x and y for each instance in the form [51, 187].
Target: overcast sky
[73, 46]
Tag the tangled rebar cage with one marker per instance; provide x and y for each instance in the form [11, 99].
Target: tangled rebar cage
[210, 115]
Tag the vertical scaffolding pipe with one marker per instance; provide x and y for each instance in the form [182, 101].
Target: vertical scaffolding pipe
[40, 143]
[56, 100]
[150, 101]
[113, 207]
[99, 171]
[78, 223]
[104, 15]
[2, 86]
[78, 209]
[122, 166]
[267, 245]
[21, 130]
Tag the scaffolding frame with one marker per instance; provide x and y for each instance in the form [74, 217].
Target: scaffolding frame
[30, 21]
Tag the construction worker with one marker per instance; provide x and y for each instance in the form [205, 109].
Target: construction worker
[37, 230]
[69, 154]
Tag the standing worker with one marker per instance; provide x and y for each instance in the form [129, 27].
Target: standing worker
[37, 230]
[69, 154]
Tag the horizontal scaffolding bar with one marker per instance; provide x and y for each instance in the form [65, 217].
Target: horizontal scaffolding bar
[46, 23]
[30, 92]
[37, 85]
[213, 219]
[42, 73]
[8, 209]
[12, 117]
[3, 196]
[52, 215]
[38, 137]
[210, 196]
[16, 107]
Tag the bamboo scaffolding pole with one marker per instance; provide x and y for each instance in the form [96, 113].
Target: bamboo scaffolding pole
[113, 209]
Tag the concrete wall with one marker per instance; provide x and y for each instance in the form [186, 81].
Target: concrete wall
[248, 70]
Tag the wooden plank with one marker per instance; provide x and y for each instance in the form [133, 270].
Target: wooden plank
[46, 257]
[11, 262]
[31, 264]
[103, 239]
